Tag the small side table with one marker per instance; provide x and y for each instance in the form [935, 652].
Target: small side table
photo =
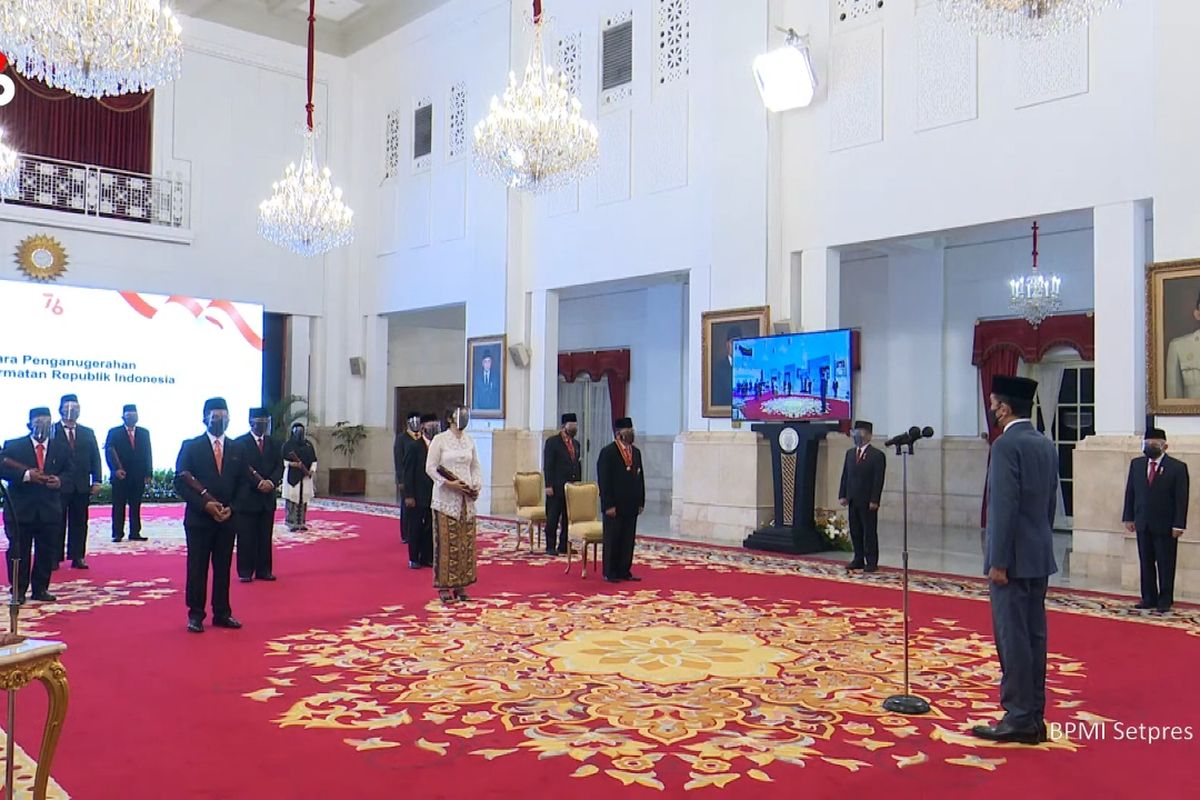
[38, 660]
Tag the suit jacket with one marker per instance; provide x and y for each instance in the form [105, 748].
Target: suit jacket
[863, 483]
[33, 502]
[196, 457]
[417, 483]
[268, 464]
[85, 459]
[558, 467]
[136, 459]
[399, 448]
[486, 395]
[1022, 498]
[1160, 508]
[620, 488]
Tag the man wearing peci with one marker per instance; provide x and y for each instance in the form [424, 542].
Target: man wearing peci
[404, 439]
[207, 473]
[486, 392]
[79, 483]
[1156, 505]
[32, 465]
[560, 466]
[1022, 492]
[861, 490]
[254, 501]
[622, 498]
[131, 468]
[417, 516]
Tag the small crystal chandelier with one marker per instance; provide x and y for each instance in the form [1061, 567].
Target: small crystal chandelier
[535, 137]
[90, 48]
[10, 170]
[1022, 19]
[1035, 296]
[305, 213]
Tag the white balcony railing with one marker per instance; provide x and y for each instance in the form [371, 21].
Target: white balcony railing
[102, 192]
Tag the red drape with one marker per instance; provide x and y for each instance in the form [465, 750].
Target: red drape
[114, 132]
[596, 364]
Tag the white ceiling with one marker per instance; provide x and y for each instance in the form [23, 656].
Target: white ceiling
[343, 26]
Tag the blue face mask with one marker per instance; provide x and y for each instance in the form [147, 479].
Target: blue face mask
[859, 438]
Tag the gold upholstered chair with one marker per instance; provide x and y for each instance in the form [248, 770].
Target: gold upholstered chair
[531, 505]
[584, 525]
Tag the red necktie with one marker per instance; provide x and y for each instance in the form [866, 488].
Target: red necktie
[260, 446]
[41, 455]
[862, 454]
[132, 440]
[217, 454]
[570, 447]
[71, 437]
[1151, 474]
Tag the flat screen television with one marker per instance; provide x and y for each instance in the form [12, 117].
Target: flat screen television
[793, 377]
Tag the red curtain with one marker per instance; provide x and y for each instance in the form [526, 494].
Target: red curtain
[113, 132]
[596, 364]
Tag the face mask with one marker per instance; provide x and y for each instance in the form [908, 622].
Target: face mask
[859, 438]
[414, 424]
[131, 420]
[217, 425]
[430, 430]
[571, 430]
[626, 437]
[298, 435]
[260, 427]
[70, 412]
[462, 418]
[992, 421]
[40, 429]
[1152, 451]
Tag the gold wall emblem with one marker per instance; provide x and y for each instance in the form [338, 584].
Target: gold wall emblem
[41, 257]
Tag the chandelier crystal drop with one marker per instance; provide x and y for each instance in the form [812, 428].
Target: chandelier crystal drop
[305, 212]
[10, 170]
[92, 48]
[535, 138]
[1035, 296]
[1022, 19]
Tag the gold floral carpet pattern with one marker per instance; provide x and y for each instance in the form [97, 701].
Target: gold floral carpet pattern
[165, 535]
[615, 686]
[24, 772]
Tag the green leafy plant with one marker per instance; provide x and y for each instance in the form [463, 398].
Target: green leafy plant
[348, 438]
[160, 490]
[834, 529]
[287, 412]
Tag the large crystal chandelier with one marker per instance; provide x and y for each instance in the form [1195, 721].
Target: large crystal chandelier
[1022, 19]
[92, 48]
[535, 138]
[1035, 296]
[305, 213]
[10, 170]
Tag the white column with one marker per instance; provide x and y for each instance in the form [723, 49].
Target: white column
[377, 388]
[299, 353]
[1120, 302]
[543, 366]
[820, 289]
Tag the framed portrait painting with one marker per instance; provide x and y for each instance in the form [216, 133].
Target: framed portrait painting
[487, 376]
[1173, 338]
[718, 331]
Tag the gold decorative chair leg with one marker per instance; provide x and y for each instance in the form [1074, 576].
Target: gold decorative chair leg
[570, 550]
[54, 678]
[520, 533]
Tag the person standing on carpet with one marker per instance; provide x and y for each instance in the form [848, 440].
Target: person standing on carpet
[32, 465]
[453, 465]
[404, 439]
[207, 474]
[1156, 505]
[418, 495]
[861, 490]
[623, 498]
[254, 501]
[1022, 496]
[79, 484]
[131, 468]
[299, 467]
[560, 466]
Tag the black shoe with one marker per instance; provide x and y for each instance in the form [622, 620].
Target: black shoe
[226, 622]
[426, 564]
[871, 568]
[265, 578]
[137, 537]
[79, 563]
[1003, 732]
[607, 579]
[44, 597]
[854, 565]
[118, 538]
[550, 551]
[244, 579]
[195, 626]
[631, 578]
[1144, 606]
[1043, 734]
[1162, 610]
[413, 565]
[562, 551]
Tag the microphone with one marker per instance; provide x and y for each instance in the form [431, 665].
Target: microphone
[908, 437]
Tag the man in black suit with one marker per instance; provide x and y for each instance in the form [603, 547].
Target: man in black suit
[254, 500]
[131, 468]
[560, 466]
[486, 392]
[824, 391]
[33, 466]
[1156, 504]
[861, 490]
[418, 495]
[404, 439]
[623, 498]
[207, 473]
[79, 484]
[721, 391]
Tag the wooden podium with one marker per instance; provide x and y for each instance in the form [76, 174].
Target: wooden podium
[794, 448]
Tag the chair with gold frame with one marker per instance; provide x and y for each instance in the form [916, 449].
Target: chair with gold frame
[530, 492]
[584, 525]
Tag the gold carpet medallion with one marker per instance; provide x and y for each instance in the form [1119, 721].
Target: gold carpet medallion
[41, 257]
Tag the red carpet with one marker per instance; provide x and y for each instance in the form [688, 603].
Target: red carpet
[722, 672]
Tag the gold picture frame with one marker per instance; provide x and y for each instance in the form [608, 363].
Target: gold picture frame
[487, 384]
[717, 331]
[1173, 338]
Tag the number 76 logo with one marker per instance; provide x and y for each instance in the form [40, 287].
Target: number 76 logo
[8, 89]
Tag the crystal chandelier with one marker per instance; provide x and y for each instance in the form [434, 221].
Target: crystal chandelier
[1022, 19]
[535, 137]
[92, 48]
[1035, 296]
[305, 213]
[10, 170]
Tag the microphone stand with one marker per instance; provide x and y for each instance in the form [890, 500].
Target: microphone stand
[906, 703]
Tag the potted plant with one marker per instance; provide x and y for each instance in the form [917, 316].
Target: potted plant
[834, 530]
[348, 480]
